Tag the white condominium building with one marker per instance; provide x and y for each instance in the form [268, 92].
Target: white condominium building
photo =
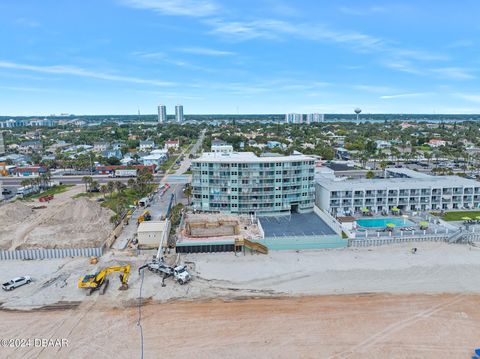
[162, 113]
[241, 182]
[407, 192]
[293, 118]
[179, 113]
[315, 118]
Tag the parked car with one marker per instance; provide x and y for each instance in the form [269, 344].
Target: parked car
[16, 282]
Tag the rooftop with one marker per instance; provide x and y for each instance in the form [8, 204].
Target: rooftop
[406, 172]
[295, 225]
[387, 183]
[151, 226]
[247, 157]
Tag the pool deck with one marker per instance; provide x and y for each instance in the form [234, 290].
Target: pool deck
[381, 222]
[412, 228]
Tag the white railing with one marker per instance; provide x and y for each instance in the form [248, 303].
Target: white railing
[385, 241]
[327, 218]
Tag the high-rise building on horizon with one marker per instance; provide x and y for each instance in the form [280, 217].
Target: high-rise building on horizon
[179, 113]
[162, 113]
[315, 118]
[293, 118]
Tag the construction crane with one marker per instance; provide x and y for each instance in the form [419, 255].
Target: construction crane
[157, 264]
[96, 281]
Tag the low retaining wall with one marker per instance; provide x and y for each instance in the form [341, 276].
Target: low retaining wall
[50, 253]
[303, 242]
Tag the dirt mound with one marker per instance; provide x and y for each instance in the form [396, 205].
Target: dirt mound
[76, 223]
[14, 213]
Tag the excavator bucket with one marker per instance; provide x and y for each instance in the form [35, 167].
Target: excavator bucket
[124, 286]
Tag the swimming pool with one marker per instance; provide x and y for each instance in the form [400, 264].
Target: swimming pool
[382, 222]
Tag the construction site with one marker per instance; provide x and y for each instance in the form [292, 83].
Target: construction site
[62, 222]
[215, 232]
[219, 275]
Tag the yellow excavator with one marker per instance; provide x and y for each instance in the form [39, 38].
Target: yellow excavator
[146, 216]
[98, 281]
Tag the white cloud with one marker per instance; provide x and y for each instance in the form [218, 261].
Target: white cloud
[403, 66]
[405, 95]
[373, 88]
[276, 29]
[206, 51]
[472, 97]
[454, 73]
[150, 55]
[194, 8]
[81, 72]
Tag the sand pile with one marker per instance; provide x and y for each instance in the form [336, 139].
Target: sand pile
[14, 213]
[76, 223]
[13, 218]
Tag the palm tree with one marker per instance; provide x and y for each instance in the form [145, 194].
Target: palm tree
[428, 156]
[110, 187]
[119, 186]
[87, 180]
[26, 182]
[188, 194]
[94, 185]
[104, 190]
[36, 183]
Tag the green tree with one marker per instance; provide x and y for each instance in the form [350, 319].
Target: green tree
[88, 181]
[370, 174]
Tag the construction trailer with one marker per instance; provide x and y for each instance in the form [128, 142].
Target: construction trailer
[149, 234]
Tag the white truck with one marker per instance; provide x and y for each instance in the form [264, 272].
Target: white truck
[124, 173]
[16, 282]
[180, 273]
[23, 191]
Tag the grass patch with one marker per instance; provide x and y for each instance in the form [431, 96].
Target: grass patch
[119, 201]
[53, 190]
[169, 162]
[87, 194]
[457, 216]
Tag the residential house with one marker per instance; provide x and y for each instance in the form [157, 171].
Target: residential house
[100, 146]
[436, 142]
[30, 146]
[146, 145]
[381, 144]
[175, 144]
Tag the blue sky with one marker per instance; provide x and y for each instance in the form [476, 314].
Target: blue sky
[239, 56]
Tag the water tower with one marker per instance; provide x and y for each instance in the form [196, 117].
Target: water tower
[357, 111]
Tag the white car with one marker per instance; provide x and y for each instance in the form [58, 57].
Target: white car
[16, 282]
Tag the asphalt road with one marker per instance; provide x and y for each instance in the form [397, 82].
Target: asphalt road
[157, 207]
[15, 181]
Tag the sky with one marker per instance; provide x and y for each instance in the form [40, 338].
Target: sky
[239, 56]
